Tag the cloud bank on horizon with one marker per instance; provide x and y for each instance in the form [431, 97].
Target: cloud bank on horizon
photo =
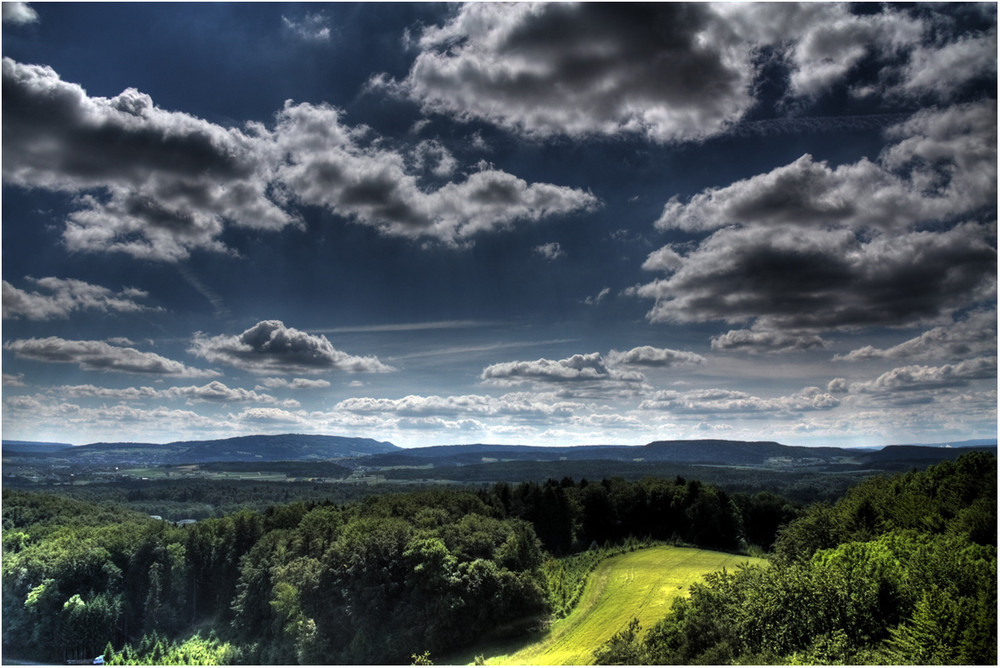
[523, 223]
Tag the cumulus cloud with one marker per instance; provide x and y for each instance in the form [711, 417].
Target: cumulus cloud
[952, 173]
[648, 356]
[66, 296]
[295, 383]
[973, 335]
[920, 377]
[330, 164]
[550, 251]
[827, 279]
[941, 70]
[168, 180]
[13, 380]
[837, 386]
[264, 417]
[214, 392]
[433, 156]
[159, 185]
[762, 341]
[517, 405]
[839, 41]
[271, 347]
[121, 422]
[668, 72]
[591, 367]
[808, 246]
[949, 153]
[732, 402]
[101, 356]
[19, 13]
[672, 72]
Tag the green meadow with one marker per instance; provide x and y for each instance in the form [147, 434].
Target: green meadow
[640, 584]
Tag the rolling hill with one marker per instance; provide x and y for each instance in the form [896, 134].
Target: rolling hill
[283, 447]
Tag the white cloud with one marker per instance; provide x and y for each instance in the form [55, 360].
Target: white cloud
[921, 377]
[519, 405]
[712, 402]
[808, 246]
[672, 72]
[68, 295]
[974, 335]
[13, 380]
[650, 357]
[435, 158]
[593, 300]
[762, 341]
[941, 70]
[830, 48]
[311, 28]
[330, 164]
[589, 368]
[158, 185]
[101, 356]
[214, 392]
[169, 181]
[19, 13]
[550, 251]
[295, 383]
[664, 71]
[791, 280]
[271, 347]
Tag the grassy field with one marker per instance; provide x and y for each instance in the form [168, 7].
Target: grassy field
[640, 584]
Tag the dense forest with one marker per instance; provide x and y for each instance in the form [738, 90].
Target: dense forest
[900, 569]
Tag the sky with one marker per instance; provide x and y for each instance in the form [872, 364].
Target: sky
[550, 224]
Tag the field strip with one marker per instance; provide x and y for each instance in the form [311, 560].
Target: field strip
[640, 584]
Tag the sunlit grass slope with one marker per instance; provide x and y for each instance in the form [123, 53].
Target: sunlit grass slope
[639, 584]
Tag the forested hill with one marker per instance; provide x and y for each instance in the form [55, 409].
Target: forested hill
[29, 447]
[283, 447]
[708, 451]
[364, 452]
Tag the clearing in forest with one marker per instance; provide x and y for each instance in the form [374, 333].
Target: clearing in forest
[640, 584]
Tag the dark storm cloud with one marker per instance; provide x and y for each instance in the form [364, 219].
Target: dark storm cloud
[271, 347]
[101, 356]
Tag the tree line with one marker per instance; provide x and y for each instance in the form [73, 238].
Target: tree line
[372, 581]
[901, 570]
[877, 576]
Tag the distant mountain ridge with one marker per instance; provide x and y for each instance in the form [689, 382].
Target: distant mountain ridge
[706, 451]
[33, 446]
[366, 452]
[281, 447]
